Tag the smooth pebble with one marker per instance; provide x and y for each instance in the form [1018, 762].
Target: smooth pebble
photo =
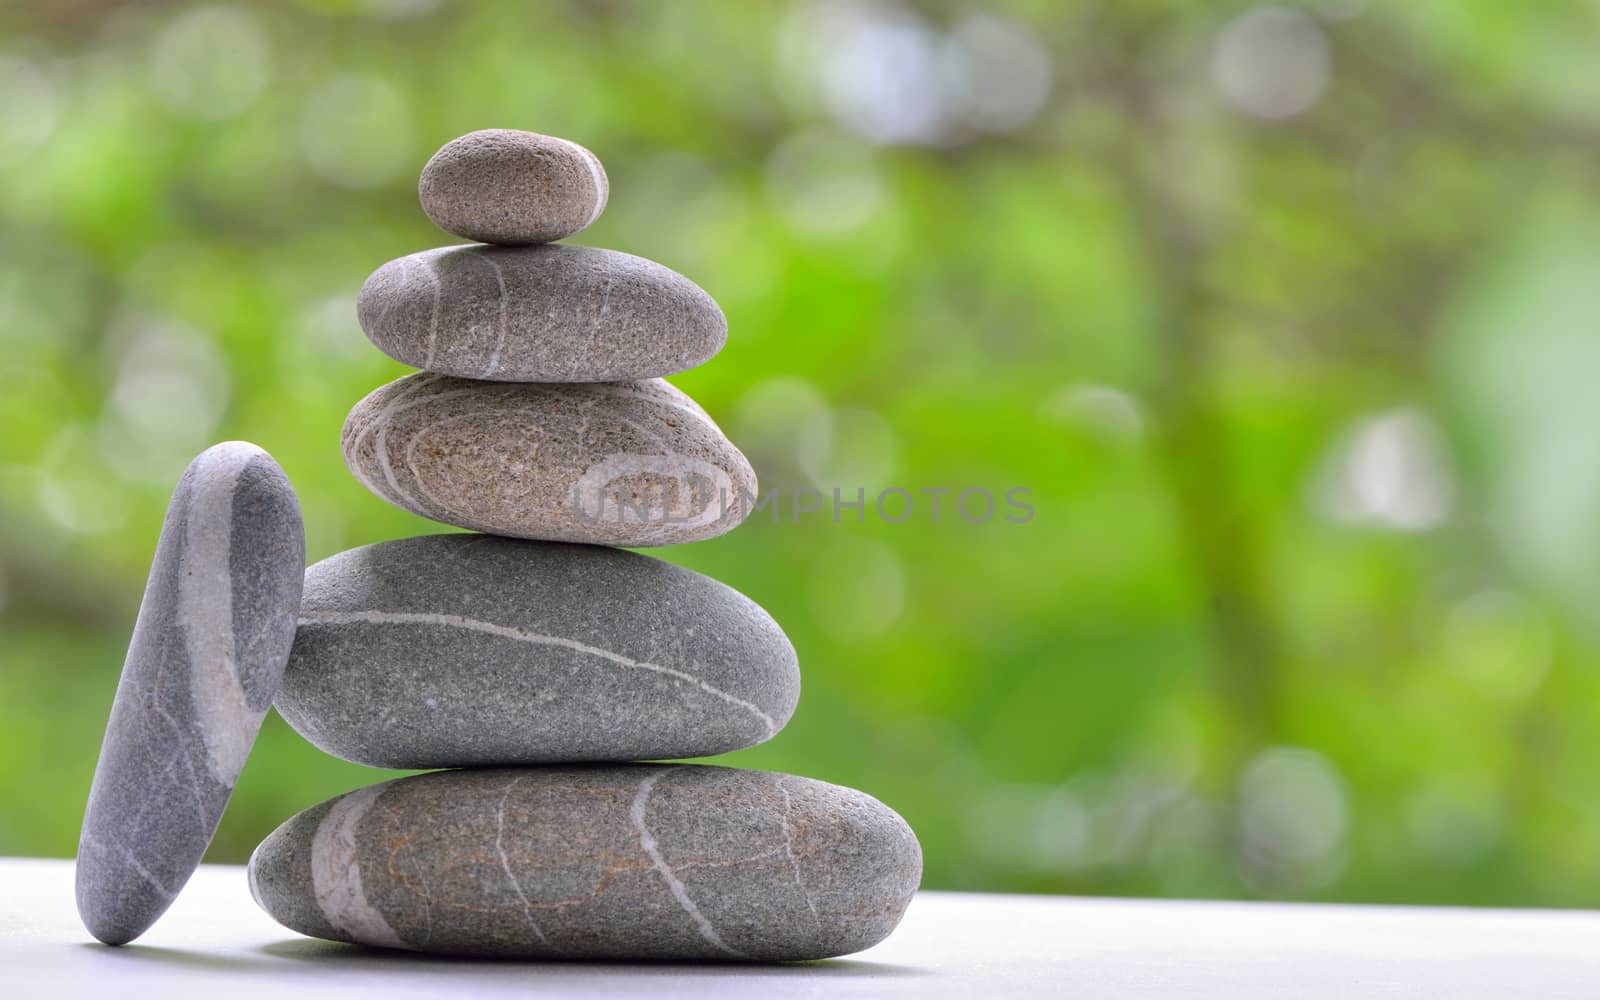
[459, 650]
[208, 651]
[604, 463]
[502, 185]
[539, 314]
[654, 861]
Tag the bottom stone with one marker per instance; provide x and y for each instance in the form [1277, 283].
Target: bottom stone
[637, 861]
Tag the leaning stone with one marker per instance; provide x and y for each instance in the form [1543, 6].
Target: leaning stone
[208, 651]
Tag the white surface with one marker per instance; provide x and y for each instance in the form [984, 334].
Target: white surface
[215, 943]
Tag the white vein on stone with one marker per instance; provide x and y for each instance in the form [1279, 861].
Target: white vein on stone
[336, 874]
[534, 638]
[130, 858]
[658, 436]
[430, 270]
[608, 507]
[180, 748]
[674, 398]
[427, 897]
[203, 817]
[794, 862]
[596, 176]
[447, 509]
[586, 407]
[647, 841]
[590, 488]
[500, 344]
[226, 722]
[372, 421]
[579, 357]
[133, 827]
[380, 448]
[505, 862]
[404, 400]
[390, 300]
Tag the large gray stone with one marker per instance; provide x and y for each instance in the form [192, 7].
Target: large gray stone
[655, 861]
[605, 463]
[501, 185]
[453, 650]
[539, 314]
[207, 654]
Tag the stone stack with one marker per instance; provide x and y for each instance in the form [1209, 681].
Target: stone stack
[541, 670]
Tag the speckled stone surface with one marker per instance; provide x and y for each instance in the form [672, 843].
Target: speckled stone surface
[452, 650]
[539, 314]
[606, 463]
[655, 861]
[207, 654]
[501, 185]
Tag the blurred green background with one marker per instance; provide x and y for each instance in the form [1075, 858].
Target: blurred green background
[1285, 315]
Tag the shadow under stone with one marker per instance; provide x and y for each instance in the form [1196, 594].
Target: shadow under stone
[333, 953]
[175, 957]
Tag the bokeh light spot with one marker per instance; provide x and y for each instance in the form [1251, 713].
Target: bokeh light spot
[1391, 471]
[1272, 62]
[1100, 410]
[30, 106]
[785, 427]
[863, 452]
[1455, 819]
[998, 72]
[1293, 815]
[399, 10]
[1499, 644]
[876, 68]
[210, 63]
[857, 589]
[170, 394]
[355, 132]
[824, 184]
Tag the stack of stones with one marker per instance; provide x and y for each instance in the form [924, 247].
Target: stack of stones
[538, 669]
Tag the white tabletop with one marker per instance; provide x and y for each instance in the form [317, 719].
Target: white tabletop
[215, 943]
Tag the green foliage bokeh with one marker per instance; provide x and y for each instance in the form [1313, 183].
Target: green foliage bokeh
[1309, 604]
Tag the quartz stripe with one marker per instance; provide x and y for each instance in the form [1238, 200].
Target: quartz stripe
[336, 872]
[226, 722]
[680, 892]
[538, 639]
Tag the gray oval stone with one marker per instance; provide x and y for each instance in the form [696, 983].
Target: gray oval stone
[604, 861]
[539, 314]
[501, 185]
[207, 654]
[460, 650]
[605, 463]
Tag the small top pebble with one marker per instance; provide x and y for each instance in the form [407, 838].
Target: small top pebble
[513, 188]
